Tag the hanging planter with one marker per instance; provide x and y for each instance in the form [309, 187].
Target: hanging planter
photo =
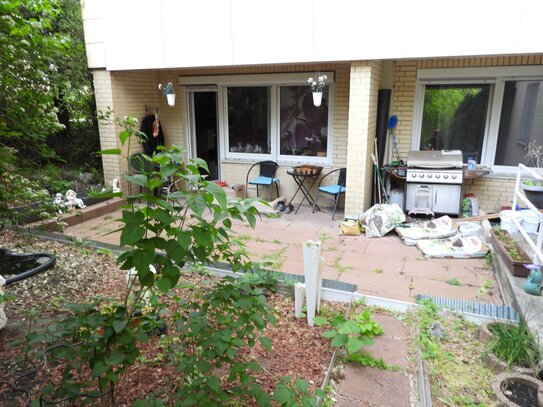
[316, 85]
[317, 98]
[168, 91]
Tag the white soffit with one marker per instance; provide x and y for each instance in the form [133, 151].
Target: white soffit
[133, 34]
[272, 31]
[198, 33]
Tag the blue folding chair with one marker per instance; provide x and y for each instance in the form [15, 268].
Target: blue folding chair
[332, 192]
[266, 177]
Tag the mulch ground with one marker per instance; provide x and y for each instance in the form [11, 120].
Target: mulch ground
[81, 274]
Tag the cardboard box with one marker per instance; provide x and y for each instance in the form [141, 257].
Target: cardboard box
[235, 191]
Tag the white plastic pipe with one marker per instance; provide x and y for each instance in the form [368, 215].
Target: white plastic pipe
[313, 277]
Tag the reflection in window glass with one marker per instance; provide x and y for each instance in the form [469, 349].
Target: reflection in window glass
[303, 127]
[249, 119]
[521, 121]
[454, 118]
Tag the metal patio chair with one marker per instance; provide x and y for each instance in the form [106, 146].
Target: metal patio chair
[332, 192]
[266, 178]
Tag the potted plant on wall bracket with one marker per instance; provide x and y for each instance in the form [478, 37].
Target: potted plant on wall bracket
[533, 188]
[317, 86]
[168, 91]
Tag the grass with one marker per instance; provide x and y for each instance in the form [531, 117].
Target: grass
[514, 344]
[339, 267]
[453, 281]
[377, 270]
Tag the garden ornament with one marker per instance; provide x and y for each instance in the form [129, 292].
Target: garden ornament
[533, 281]
[115, 185]
[59, 201]
[72, 201]
[138, 294]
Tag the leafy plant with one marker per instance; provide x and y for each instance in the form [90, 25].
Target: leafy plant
[166, 88]
[352, 334]
[453, 281]
[514, 344]
[290, 393]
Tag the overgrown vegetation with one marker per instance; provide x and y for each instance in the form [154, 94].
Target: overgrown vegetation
[514, 344]
[47, 111]
[452, 355]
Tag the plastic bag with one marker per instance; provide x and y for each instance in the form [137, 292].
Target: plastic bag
[349, 227]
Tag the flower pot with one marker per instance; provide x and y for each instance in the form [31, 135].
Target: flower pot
[317, 98]
[517, 390]
[171, 99]
[516, 267]
[534, 193]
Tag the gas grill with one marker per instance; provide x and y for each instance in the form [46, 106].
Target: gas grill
[434, 182]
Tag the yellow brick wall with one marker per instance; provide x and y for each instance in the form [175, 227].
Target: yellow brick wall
[365, 78]
[128, 92]
[489, 190]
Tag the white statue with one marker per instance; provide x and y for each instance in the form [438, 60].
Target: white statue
[72, 201]
[115, 185]
[59, 201]
[3, 318]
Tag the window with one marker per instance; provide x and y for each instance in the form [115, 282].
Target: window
[521, 121]
[249, 119]
[303, 128]
[490, 114]
[454, 118]
[270, 117]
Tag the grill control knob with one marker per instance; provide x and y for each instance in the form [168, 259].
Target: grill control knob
[454, 177]
[413, 175]
[429, 175]
[445, 176]
[421, 175]
[438, 176]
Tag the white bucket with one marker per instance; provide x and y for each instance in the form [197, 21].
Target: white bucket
[397, 197]
[506, 217]
[530, 221]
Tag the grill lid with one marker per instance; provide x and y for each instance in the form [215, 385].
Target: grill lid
[435, 159]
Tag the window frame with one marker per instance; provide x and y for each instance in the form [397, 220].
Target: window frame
[496, 77]
[274, 81]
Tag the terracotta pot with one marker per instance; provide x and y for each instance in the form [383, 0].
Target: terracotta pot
[506, 387]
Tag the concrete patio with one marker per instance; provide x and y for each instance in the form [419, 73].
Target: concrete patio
[383, 267]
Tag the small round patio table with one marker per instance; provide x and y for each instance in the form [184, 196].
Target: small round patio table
[305, 182]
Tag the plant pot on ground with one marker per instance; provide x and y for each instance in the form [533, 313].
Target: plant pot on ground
[517, 390]
[510, 251]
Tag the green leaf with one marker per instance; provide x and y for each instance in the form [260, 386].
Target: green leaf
[133, 218]
[116, 357]
[164, 285]
[217, 192]
[358, 342]
[282, 395]
[349, 327]
[112, 151]
[184, 238]
[214, 383]
[138, 179]
[245, 303]
[123, 136]
[99, 368]
[302, 385]
[131, 234]
[142, 260]
[189, 401]
[329, 334]
[266, 343]
[340, 340]
[319, 321]
[118, 326]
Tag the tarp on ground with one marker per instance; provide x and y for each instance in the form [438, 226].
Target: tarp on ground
[381, 219]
